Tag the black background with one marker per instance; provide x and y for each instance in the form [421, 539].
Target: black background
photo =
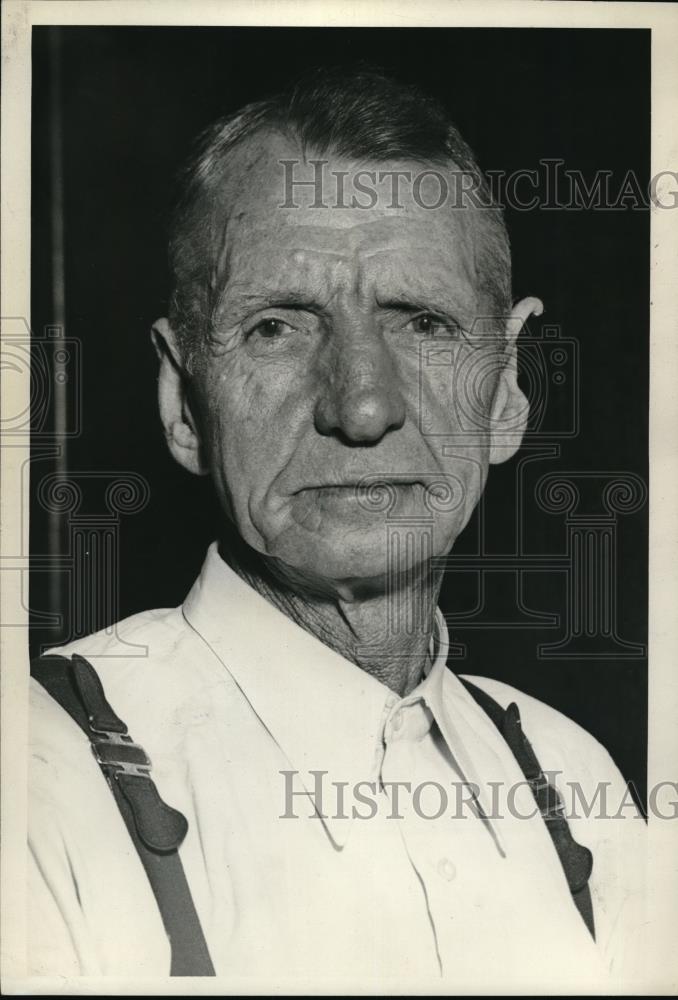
[133, 98]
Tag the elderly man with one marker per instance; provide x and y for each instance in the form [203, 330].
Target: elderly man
[303, 793]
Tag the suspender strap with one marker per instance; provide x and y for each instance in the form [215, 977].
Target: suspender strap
[577, 861]
[156, 829]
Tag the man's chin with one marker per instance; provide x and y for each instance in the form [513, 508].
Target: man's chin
[348, 508]
[355, 560]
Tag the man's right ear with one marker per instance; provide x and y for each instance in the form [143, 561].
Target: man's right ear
[180, 427]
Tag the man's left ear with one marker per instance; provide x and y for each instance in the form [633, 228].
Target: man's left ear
[510, 407]
[178, 421]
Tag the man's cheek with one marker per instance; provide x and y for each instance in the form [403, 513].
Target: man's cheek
[464, 471]
[437, 408]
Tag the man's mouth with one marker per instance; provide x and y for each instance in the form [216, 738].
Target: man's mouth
[364, 486]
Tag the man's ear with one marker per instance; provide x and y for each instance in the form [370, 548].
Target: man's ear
[510, 407]
[180, 427]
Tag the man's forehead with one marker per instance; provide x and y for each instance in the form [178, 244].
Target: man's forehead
[276, 192]
[368, 241]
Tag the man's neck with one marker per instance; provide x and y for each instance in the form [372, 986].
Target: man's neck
[370, 630]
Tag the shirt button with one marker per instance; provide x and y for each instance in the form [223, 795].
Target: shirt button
[397, 720]
[446, 869]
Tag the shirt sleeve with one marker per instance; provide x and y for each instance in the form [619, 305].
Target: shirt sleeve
[91, 910]
[602, 816]
[51, 951]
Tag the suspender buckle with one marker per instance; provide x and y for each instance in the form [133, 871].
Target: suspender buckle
[117, 753]
[538, 784]
[550, 804]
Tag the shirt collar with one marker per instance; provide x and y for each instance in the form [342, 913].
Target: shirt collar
[471, 737]
[324, 712]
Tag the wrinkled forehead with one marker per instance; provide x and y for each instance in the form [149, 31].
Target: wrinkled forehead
[282, 207]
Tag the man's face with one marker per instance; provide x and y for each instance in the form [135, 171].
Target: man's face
[329, 393]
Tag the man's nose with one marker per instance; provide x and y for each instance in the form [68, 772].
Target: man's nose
[360, 399]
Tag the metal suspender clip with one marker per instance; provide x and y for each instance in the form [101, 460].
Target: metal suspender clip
[117, 753]
[546, 795]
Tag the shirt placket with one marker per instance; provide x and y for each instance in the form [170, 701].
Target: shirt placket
[407, 726]
[444, 845]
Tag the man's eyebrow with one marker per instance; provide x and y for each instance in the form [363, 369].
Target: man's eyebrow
[415, 302]
[287, 299]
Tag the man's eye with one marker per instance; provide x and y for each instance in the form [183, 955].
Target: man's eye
[428, 325]
[270, 328]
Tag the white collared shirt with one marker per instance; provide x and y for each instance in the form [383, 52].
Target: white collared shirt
[255, 728]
